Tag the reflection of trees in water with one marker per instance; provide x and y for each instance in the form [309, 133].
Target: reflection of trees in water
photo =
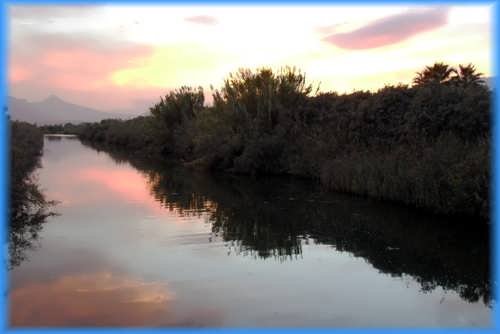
[59, 137]
[280, 254]
[29, 210]
[276, 217]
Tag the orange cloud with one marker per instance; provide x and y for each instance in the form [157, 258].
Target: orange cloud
[99, 299]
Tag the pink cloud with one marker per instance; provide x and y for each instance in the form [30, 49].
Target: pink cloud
[391, 30]
[78, 68]
[92, 61]
[202, 19]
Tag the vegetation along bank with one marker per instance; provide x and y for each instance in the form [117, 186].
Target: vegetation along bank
[28, 207]
[426, 145]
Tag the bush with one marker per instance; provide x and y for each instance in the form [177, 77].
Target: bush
[425, 145]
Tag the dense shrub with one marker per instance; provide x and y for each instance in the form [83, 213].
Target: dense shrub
[426, 145]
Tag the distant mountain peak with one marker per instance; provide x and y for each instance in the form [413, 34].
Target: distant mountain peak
[54, 110]
[53, 98]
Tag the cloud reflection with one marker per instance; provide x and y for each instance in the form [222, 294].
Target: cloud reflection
[100, 299]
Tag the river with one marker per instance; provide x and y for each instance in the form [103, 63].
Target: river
[142, 244]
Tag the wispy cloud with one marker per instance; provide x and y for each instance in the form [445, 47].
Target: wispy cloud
[202, 19]
[391, 30]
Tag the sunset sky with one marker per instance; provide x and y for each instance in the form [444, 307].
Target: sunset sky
[125, 57]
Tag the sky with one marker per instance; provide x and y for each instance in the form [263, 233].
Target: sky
[123, 58]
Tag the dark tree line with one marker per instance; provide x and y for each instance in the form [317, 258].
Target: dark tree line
[28, 208]
[425, 145]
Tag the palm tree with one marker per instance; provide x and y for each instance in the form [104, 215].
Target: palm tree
[467, 75]
[437, 73]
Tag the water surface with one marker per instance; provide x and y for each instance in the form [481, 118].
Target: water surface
[142, 244]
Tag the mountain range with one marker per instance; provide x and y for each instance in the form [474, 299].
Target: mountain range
[54, 110]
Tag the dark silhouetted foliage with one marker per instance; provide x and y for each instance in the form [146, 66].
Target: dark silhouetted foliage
[28, 207]
[426, 145]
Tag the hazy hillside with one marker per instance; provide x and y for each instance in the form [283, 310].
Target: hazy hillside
[54, 110]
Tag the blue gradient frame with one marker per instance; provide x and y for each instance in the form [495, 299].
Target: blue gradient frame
[4, 159]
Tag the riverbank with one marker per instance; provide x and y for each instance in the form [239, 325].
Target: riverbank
[28, 207]
[26, 145]
[426, 146]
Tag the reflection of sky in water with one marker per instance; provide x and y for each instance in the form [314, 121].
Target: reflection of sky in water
[116, 257]
[90, 299]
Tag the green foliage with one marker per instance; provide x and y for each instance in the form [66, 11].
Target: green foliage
[425, 145]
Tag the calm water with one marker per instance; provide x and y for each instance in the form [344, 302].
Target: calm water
[145, 245]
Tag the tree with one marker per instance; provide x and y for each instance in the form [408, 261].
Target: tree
[262, 94]
[467, 75]
[173, 116]
[179, 105]
[437, 73]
